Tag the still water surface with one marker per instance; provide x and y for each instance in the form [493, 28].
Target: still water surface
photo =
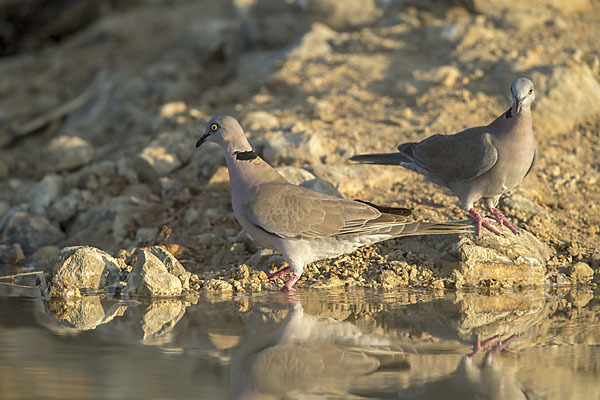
[355, 344]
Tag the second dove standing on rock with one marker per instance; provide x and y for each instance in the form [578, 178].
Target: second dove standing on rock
[484, 162]
[303, 225]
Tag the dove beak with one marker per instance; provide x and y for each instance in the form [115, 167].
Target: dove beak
[518, 104]
[202, 139]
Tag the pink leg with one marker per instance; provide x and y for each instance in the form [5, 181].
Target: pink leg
[482, 346]
[481, 221]
[502, 345]
[503, 220]
[288, 285]
[277, 274]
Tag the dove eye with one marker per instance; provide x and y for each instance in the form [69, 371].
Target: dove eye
[530, 90]
[214, 127]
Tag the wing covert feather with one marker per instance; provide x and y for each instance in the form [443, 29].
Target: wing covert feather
[290, 211]
[460, 157]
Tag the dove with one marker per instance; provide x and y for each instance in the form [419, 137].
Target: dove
[480, 163]
[304, 352]
[301, 224]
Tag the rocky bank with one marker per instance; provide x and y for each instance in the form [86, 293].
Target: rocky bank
[99, 125]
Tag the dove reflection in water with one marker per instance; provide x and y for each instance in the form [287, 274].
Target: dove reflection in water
[307, 351]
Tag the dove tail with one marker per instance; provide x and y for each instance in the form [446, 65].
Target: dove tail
[425, 228]
[382, 159]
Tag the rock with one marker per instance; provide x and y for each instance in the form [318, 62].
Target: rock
[29, 231]
[11, 254]
[160, 317]
[150, 277]
[106, 225]
[344, 178]
[522, 203]
[44, 193]
[580, 273]
[4, 170]
[259, 121]
[66, 207]
[566, 94]
[154, 162]
[496, 7]
[169, 151]
[191, 216]
[4, 207]
[80, 314]
[509, 260]
[42, 255]
[346, 15]
[82, 267]
[294, 174]
[217, 285]
[173, 266]
[146, 235]
[65, 153]
[313, 44]
[295, 148]
[446, 75]
[322, 186]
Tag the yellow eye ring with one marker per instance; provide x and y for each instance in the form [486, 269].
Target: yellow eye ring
[214, 127]
[530, 90]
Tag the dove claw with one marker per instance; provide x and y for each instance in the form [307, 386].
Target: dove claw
[502, 220]
[480, 221]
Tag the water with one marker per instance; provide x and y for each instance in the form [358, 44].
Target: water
[314, 344]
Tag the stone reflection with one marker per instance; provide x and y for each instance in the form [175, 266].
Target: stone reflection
[149, 323]
[78, 314]
[305, 351]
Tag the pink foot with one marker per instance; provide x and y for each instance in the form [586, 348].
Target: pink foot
[288, 285]
[481, 221]
[277, 274]
[482, 346]
[503, 220]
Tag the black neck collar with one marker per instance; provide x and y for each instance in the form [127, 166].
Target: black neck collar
[245, 155]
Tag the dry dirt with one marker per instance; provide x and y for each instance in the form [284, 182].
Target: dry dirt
[363, 80]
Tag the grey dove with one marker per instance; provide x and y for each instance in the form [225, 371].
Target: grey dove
[480, 163]
[303, 225]
[304, 352]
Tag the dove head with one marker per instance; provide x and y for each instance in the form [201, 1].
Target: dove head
[227, 132]
[522, 93]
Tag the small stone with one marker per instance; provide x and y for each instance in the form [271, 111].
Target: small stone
[295, 175]
[173, 265]
[259, 121]
[347, 14]
[66, 153]
[295, 148]
[43, 193]
[11, 254]
[580, 273]
[146, 235]
[322, 186]
[191, 216]
[150, 277]
[81, 267]
[29, 231]
[154, 162]
[43, 254]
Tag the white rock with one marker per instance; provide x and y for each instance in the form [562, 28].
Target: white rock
[44, 192]
[564, 96]
[66, 153]
[259, 121]
[81, 267]
[150, 277]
